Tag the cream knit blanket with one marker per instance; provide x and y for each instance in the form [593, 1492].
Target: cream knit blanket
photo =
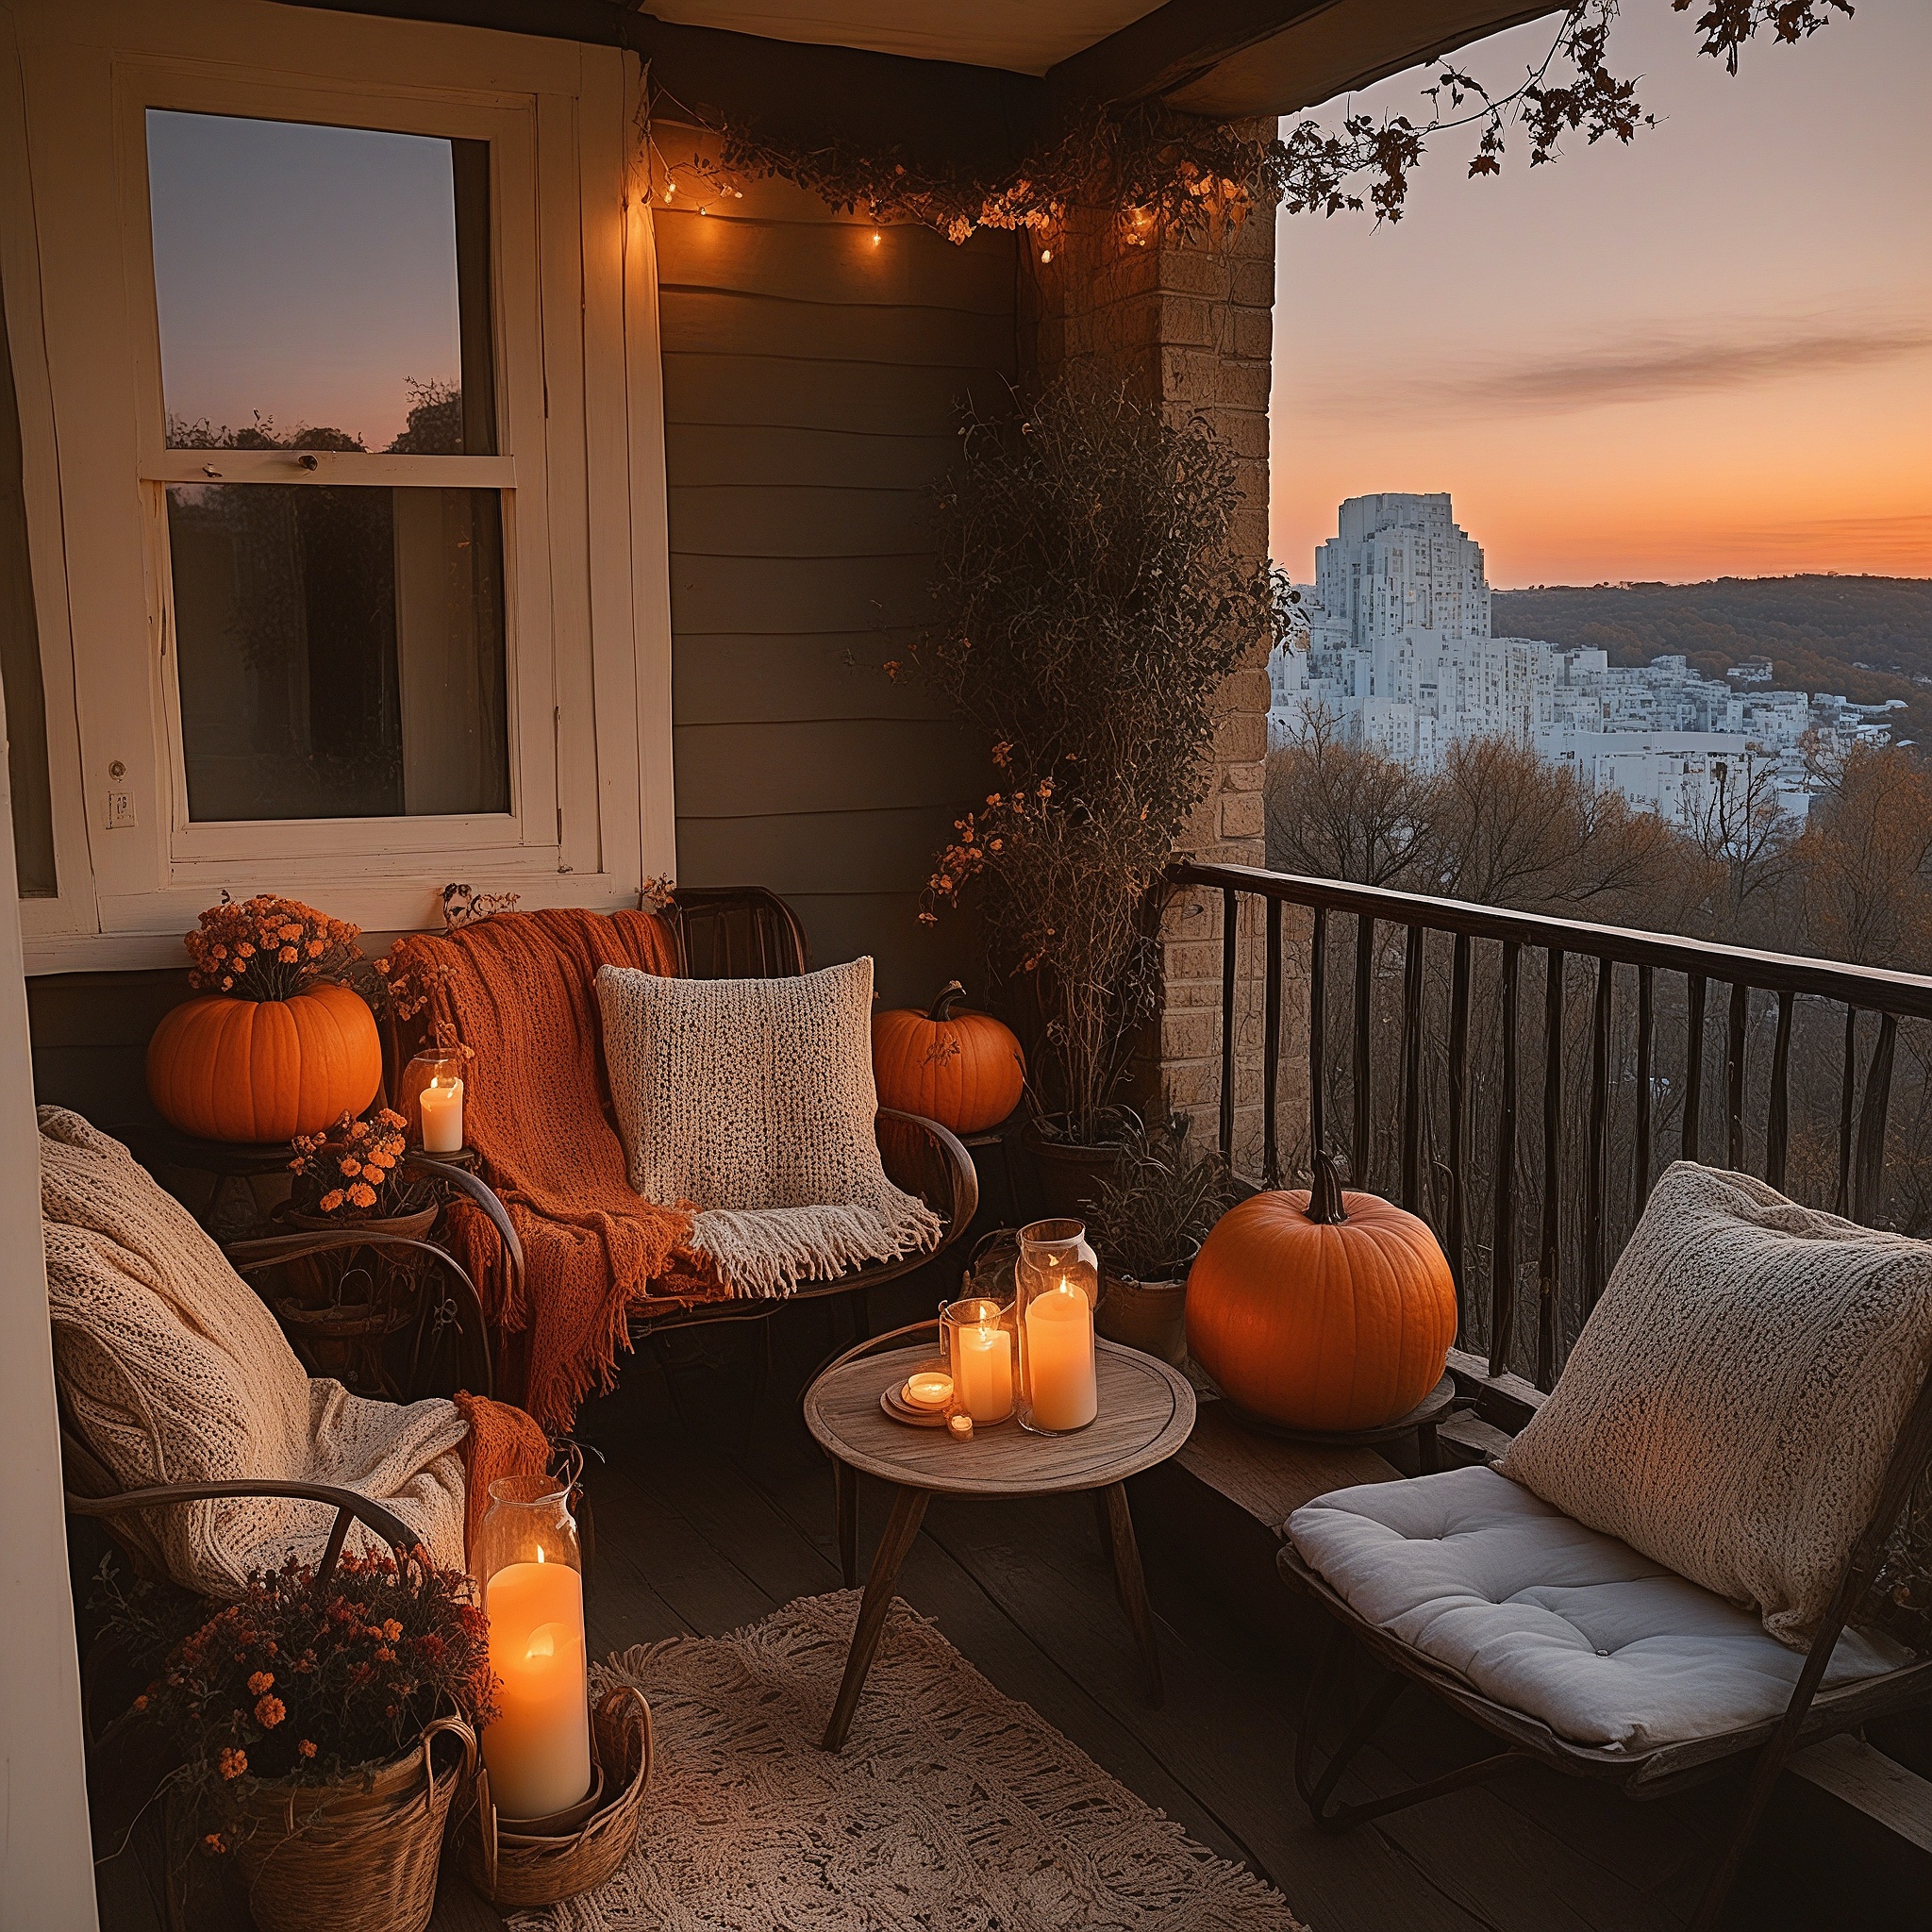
[753, 1100]
[173, 1370]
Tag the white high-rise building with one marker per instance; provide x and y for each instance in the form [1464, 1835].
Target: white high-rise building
[1400, 655]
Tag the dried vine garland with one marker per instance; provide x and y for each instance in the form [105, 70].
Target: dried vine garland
[1185, 175]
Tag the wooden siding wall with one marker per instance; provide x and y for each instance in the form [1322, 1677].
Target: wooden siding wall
[812, 379]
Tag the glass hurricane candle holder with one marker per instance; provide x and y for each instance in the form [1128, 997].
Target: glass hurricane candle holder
[528, 1561]
[979, 1342]
[1058, 1283]
[432, 1098]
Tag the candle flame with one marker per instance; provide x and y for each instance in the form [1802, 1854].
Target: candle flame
[540, 1553]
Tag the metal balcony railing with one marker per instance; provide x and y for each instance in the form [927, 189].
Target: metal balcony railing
[1435, 1052]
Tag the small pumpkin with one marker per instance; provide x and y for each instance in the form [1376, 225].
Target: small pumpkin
[962, 1068]
[1322, 1309]
[246, 1069]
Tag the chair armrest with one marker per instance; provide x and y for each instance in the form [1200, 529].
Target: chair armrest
[349, 1506]
[479, 1191]
[929, 1160]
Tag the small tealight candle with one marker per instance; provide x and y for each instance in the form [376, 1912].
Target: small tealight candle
[960, 1424]
[929, 1389]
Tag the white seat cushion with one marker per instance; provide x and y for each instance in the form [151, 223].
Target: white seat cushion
[1549, 1618]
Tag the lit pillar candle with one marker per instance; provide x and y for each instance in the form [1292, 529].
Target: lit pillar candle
[985, 1372]
[443, 1118]
[1059, 1355]
[537, 1747]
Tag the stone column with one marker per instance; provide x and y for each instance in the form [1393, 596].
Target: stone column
[1189, 324]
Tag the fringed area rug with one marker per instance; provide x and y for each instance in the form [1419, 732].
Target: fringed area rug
[952, 1807]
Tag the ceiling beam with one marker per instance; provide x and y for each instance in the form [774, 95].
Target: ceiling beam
[944, 111]
[1233, 59]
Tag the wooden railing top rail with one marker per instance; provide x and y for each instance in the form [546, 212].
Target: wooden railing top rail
[1870, 987]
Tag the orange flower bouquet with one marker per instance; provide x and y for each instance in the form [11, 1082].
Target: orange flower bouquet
[300, 1684]
[354, 1170]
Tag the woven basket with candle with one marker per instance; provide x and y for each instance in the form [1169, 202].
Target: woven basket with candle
[517, 1864]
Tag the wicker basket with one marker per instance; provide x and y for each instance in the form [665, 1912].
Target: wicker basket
[515, 1871]
[351, 1859]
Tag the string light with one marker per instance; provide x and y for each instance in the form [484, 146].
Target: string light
[876, 237]
[1046, 254]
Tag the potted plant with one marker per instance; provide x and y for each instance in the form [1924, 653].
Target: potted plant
[301, 1720]
[345, 1306]
[1148, 1221]
[1091, 600]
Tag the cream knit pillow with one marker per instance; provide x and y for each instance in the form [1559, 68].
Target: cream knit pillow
[1732, 1402]
[753, 1099]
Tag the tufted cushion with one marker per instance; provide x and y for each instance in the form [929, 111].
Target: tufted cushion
[1546, 1617]
[1734, 1398]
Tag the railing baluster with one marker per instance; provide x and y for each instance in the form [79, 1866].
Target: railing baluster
[1503, 1242]
[1549, 1267]
[1271, 1050]
[1646, 1032]
[1364, 997]
[1694, 1067]
[1599, 1130]
[1734, 1075]
[1317, 1031]
[1412, 1067]
[1458, 1117]
[1777, 1119]
[1230, 928]
[1847, 1082]
[1869, 1189]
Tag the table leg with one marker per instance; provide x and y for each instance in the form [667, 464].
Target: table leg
[902, 1526]
[847, 1479]
[1428, 1450]
[1133, 1586]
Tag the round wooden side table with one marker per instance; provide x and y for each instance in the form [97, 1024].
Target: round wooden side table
[1146, 1413]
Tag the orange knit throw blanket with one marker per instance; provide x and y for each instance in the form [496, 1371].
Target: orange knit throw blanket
[502, 1441]
[519, 991]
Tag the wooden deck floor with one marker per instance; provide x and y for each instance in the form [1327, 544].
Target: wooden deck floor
[712, 1507]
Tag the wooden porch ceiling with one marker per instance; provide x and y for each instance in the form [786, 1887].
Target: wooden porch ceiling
[1010, 61]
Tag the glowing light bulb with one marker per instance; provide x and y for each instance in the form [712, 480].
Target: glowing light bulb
[1046, 254]
[876, 237]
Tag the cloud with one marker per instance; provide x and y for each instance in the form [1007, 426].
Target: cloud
[1666, 365]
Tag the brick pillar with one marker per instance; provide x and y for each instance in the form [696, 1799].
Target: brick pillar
[1189, 324]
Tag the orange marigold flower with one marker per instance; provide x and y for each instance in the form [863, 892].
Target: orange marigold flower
[306, 1748]
[391, 1629]
[213, 1844]
[351, 1166]
[233, 1763]
[260, 1681]
[270, 1711]
[141, 1702]
[287, 956]
[362, 1195]
[315, 949]
[331, 1201]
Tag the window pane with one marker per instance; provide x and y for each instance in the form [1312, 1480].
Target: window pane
[324, 288]
[341, 650]
[20, 664]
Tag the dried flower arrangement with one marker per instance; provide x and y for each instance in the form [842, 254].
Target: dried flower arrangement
[1090, 602]
[300, 1682]
[354, 1170]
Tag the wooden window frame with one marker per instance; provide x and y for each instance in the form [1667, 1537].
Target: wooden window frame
[581, 477]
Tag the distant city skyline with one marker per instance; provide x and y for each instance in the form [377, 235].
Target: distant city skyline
[1707, 353]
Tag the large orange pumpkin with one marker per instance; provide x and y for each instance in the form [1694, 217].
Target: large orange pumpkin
[1321, 1309]
[226, 1068]
[965, 1069]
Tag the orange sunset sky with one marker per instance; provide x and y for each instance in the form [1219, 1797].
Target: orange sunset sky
[1709, 353]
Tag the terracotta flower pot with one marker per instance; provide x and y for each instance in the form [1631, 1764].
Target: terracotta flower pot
[1151, 1316]
[1071, 1173]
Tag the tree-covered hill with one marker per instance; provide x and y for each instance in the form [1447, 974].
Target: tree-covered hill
[1870, 638]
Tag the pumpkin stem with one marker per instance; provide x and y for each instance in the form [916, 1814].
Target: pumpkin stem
[949, 993]
[1324, 1193]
